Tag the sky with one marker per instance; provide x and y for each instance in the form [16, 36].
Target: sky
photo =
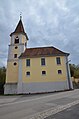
[46, 22]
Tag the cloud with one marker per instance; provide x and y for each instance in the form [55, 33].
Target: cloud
[54, 22]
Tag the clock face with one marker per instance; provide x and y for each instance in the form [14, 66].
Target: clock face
[17, 40]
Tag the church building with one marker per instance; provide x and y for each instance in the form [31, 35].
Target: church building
[35, 70]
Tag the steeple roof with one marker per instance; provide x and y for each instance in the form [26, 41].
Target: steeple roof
[19, 29]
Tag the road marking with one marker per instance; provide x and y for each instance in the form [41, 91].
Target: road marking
[53, 111]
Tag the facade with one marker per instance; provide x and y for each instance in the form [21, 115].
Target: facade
[35, 70]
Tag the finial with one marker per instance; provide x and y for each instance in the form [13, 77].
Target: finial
[20, 16]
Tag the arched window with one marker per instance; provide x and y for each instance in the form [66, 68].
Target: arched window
[43, 72]
[17, 40]
[28, 73]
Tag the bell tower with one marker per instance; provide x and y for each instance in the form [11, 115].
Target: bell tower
[18, 44]
[18, 41]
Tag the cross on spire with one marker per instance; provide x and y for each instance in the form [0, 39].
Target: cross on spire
[20, 16]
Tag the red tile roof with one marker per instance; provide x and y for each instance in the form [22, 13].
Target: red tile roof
[19, 29]
[42, 51]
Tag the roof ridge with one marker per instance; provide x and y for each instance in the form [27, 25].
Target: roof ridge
[41, 47]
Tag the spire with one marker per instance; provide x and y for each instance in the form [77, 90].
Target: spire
[19, 28]
[20, 16]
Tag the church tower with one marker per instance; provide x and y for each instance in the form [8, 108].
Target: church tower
[18, 44]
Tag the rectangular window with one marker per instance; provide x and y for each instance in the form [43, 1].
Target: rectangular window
[28, 62]
[58, 60]
[43, 72]
[59, 71]
[43, 61]
[28, 73]
[15, 55]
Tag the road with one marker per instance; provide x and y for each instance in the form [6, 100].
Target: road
[38, 106]
[72, 112]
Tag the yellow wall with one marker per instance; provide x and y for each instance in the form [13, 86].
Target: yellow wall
[51, 69]
[23, 39]
[12, 72]
[16, 51]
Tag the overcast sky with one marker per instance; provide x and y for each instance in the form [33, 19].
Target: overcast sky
[46, 22]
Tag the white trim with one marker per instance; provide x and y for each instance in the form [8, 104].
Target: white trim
[19, 88]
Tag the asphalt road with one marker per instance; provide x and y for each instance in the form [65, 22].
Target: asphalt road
[39, 106]
[70, 113]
